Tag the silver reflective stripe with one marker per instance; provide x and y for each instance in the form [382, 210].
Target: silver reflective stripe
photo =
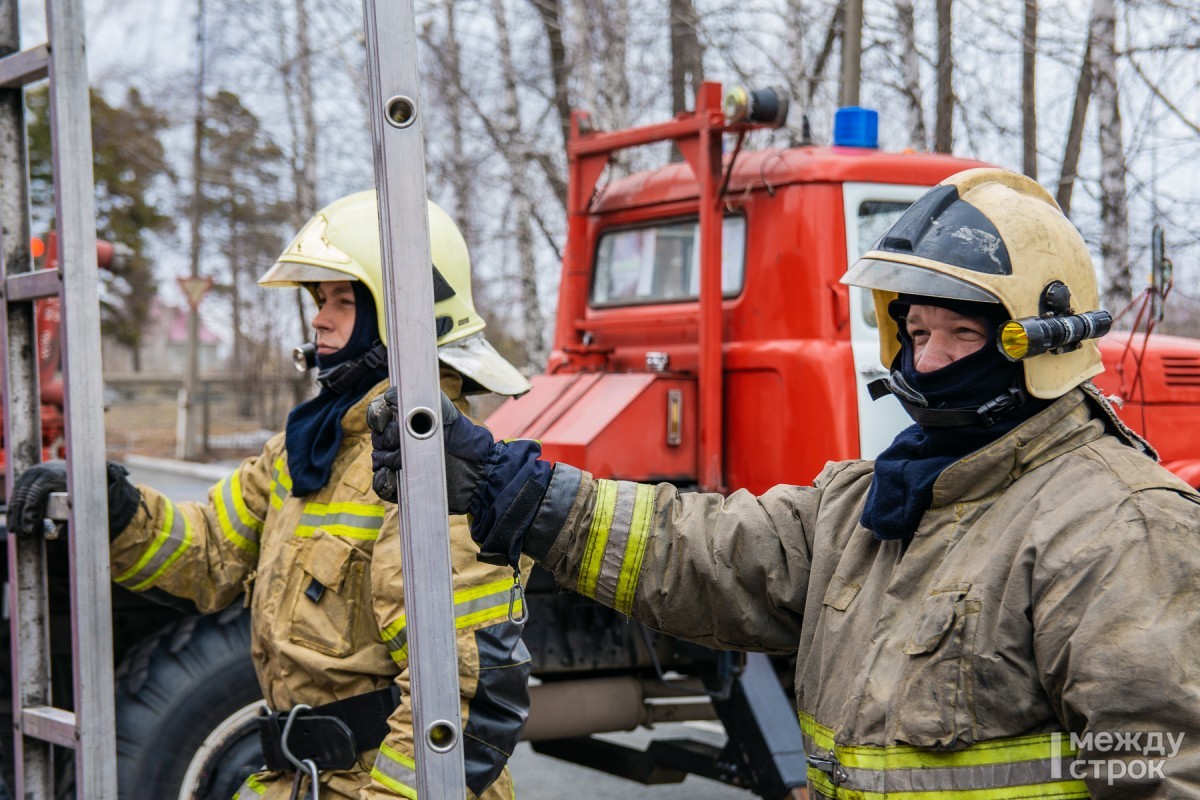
[954, 779]
[229, 507]
[486, 603]
[395, 771]
[343, 519]
[164, 550]
[614, 548]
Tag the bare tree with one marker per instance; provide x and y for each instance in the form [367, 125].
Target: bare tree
[687, 56]
[534, 321]
[550, 14]
[1029, 90]
[1070, 161]
[458, 172]
[910, 74]
[943, 131]
[1114, 213]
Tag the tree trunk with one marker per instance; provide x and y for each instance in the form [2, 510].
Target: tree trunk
[550, 12]
[831, 35]
[461, 176]
[1029, 90]
[687, 69]
[518, 158]
[1114, 214]
[943, 133]
[1070, 161]
[910, 74]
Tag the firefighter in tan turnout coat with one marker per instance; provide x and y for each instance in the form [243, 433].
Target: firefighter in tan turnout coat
[300, 532]
[1002, 605]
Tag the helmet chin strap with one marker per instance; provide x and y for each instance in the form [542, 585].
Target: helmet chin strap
[343, 377]
[917, 406]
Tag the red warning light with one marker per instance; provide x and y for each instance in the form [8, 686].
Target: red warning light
[37, 247]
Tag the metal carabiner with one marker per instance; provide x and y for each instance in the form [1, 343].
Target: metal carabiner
[517, 595]
[303, 766]
[309, 769]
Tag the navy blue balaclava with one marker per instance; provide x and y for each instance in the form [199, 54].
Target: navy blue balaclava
[902, 486]
[314, 428]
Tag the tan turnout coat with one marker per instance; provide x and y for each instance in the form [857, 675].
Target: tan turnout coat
[253, 536]
[1052, 587]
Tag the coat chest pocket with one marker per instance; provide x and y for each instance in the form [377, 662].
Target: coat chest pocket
[933, 703]
[326, 588]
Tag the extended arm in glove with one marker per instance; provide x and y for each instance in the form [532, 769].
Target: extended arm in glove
[500, 484]
[33, 487]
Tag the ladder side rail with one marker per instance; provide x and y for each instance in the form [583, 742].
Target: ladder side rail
[91, 594]
[29, 629]
[412, 362]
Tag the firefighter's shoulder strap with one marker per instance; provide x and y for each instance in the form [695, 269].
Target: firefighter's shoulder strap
[89, 727]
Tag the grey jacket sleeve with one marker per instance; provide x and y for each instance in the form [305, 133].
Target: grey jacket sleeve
[1117, 643]
[727, 572]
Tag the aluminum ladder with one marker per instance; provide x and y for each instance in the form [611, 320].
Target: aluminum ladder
[396, 130]
[90, 729]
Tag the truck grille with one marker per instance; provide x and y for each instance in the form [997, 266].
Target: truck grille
[1181, 370]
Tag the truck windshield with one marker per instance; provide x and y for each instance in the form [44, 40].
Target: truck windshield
[875, 218]
[661, 264]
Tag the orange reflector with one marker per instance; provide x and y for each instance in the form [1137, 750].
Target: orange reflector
[37, 247]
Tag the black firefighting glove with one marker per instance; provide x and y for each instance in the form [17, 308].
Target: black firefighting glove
[33, 487]
[500, 484]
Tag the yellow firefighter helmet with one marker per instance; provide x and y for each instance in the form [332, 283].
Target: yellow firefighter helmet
[341, 242]
[991, 236]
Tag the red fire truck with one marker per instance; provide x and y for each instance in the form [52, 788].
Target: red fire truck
[698, 300]
[703, 338]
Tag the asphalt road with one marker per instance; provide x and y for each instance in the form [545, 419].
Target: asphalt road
[538, 777]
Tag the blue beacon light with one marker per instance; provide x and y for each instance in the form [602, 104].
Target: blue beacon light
[856, 127]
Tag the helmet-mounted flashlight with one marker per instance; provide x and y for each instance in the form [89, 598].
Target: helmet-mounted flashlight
[1032, 336]
[305, 357]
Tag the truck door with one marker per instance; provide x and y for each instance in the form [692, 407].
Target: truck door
[871, 208]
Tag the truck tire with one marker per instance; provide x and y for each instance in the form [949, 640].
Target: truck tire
[186, 702]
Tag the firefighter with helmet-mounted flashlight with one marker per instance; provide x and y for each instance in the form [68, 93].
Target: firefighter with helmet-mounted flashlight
[301, 532]
[977, 607]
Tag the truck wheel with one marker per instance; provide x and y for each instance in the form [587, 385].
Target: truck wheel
[186, 702]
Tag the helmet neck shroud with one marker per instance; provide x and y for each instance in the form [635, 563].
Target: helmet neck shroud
[958, 409]
[978, 390]
[314, 428]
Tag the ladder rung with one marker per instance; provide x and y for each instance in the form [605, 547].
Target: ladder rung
[24, 67]
[49, 724]
[33, 285]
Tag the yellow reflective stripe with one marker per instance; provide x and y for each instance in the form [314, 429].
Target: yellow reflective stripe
[351, 520]
[635, 548]
[281, 484]
[1030, 766]
[993, 751]
[281, 474]
[158, 557]
[253, 784]
[1067, 790]
[593, 554]
[242, 528]
[396, 771]
[473, 605]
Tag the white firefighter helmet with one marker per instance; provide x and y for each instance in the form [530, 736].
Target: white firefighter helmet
[341, 242]
[989, 236]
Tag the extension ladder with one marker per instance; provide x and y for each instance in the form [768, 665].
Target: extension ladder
[89, 729]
